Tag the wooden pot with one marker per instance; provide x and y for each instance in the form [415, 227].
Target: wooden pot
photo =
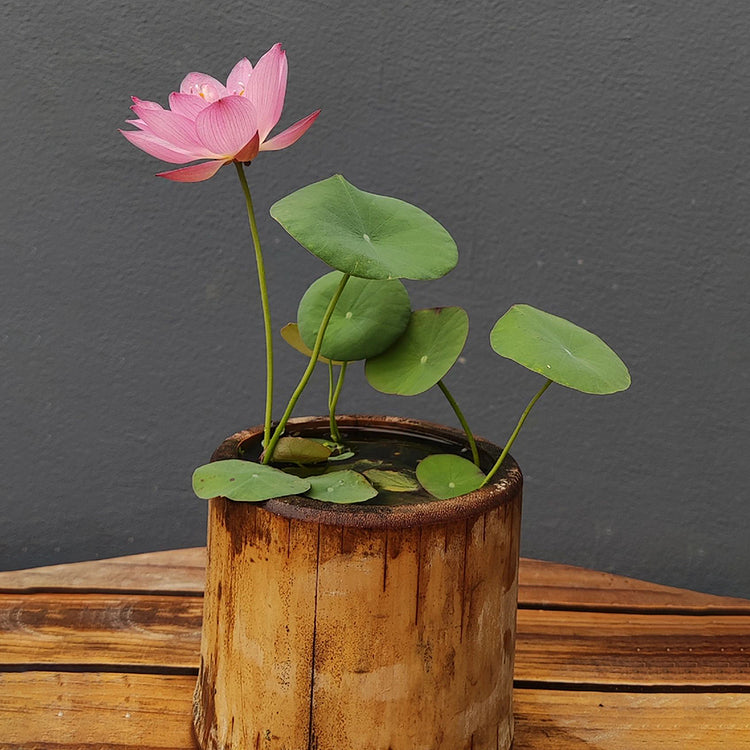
[330, 627]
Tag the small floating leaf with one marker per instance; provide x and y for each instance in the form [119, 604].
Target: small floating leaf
[341, 487]
[368, 317]
[559, 350]
[245, 481]
[446, 475]
[392, 481]
[341, 456]
[363, 464]
[298, 450]
[428, 348]
[290, 334]
[366, 235]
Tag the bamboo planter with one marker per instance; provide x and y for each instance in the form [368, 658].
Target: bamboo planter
[361, 627]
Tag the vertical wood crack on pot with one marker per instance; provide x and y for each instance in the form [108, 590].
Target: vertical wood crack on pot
[463, 579]
[419, 575]
[385, 561]
[311, 744]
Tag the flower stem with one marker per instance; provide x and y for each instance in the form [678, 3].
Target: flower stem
[334, 398]
[469, 435]
[514, 435]
[264, 302]
[279, 431]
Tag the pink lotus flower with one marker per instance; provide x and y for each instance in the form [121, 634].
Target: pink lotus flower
[207, 120]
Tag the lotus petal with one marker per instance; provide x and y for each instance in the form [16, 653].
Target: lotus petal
[156, 147]
[199, 84]
[266, 88]
[225, 127]
[239, 77]
[195, 173]
[291, 134]
[177, 130]
[188, 105]
[249, 151]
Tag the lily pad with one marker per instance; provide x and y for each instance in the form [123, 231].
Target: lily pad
[428, 348]
[341, 487]
[559, 350]
[446, 475]
[366, 235]
[297, 450]
[369, 316]
[290, 334]
[245, 481]
[392, 481]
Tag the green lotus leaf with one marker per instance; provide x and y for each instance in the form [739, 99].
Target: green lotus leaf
[392, 481]
[369, 316]
[290, 334]
[297, 450]
[446, 475]
[559, 350]
[428, 348]
[366, 235]
[245, 481]
[341, 487]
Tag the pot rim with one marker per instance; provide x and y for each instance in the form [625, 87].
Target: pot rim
[506, 484]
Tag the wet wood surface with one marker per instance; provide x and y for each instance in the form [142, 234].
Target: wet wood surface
[104, 655]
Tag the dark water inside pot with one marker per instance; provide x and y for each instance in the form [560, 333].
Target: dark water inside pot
[375, 449]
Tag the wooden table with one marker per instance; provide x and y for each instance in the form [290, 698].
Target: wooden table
[104, 655]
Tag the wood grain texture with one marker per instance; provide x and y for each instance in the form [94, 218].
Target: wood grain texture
[256, 649]
[49, 711]
[172, 571]
[603, 648]
[570, 720]
[78, 629]
[671, 665]
[610, 648]
[547, 585]
[541, 584]
[88, 711]
[324, 637]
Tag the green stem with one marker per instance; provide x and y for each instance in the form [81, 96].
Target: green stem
[264, 302]
[334, 399]
[279, 431]
[330, 385]
[514, 435]
[469, 435]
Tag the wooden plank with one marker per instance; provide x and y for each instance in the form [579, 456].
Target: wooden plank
[48, 711]
[570, 720]
[553, 646]
[41, 710]
[174, 571]
[553, 585]
[633, 649]
[541, 584]
[98, 629]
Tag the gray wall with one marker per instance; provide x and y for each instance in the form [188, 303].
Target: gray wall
[590, 158]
